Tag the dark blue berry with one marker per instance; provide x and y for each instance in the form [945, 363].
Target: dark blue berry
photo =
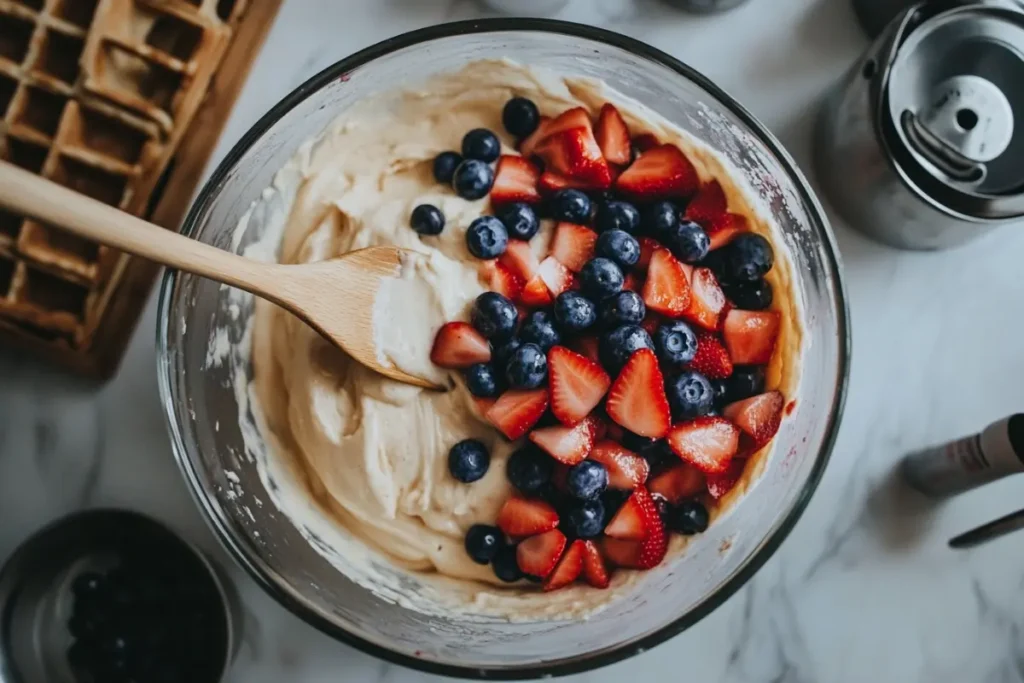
[744, 382]
[721, 389]
[659, 218]
[481, 144]
[675, 342]
[445, 164]
[486, 237]
[655, 451]
[624, 308]
[715, 261]
[472, 179]
[689, 395]
[747, 258]
[662, 505]
[617, 346]
[687, 241]
[427, 219]
[689, 517]
[502, 352]
[586, 519]
[483, 543]
[574, 312]
[527, 368]
[483, 380]
[587, 480]
[750, 296]
[506, 566]
[494, 316]
[618, 216]
[468, 460]
[619, 246]
[520, 117]
[601, 277]
[539, 328]
[529, 469]
[612, 500]
[519, 219]
[572, 206]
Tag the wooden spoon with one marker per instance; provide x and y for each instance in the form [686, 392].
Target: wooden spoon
[334, 297]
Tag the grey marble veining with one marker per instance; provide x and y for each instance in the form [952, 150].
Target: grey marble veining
[864, 589]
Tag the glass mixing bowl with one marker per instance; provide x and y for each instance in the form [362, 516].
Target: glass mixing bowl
[203, 401]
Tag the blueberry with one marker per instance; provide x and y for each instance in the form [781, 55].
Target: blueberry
[654, 451]
[539, 328]
[750, 296]
[617, 215]
[687, 241]
[586, 519]
[616, 347]
[445, 164]
[427, 219]
[675, 342]
[519, 220]
[572, 206]
[721, 389]
[745, 381]
[483, 543]
[505, 564]
[87, 584]
[483, 381]
[486, 237]
[662, 505]
[527, 368]
[715, 261]
[601, 277]
[481, 144]
[494, 316]
[574, 312]
[689, 517]
[468, 460]
[587, 480]
[529, 469]
[520, 117]
[624, 308]
[619, 246]
[689, 395]
[503, 352]
[659, 218]
[747, 258]
[612, 500]
[472, 179]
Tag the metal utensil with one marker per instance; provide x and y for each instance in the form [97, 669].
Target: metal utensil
[987, 532]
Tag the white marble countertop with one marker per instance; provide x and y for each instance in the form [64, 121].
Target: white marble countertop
[864, 589]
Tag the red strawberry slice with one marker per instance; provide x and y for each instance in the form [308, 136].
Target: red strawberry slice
[706, 299]
[557, 277]
[568, 568]
[637, 520]
[459, 345]
[538, 555]
[678, 482]
[645, 142]
[637, 397]
[573, 245]
[551, 182]
[567, 445]
[614, 431]
[520, 259]
[621, 553]
[586, 347]
[708, 205]
[626, 469]
[536, 293]
[516, 411]
[577, 117]
[520, 517]
[500, 279]
[750, 335]
[595, 572]
[529, 143]
[667, 289]
[758, 416]
[629, 522]
[575, 154]
[647, 248]
[721, 484]
[515, 180]
[712, 360]
[633, 283]
[577, 384]
[613, 136]
[723, 228]
[708, 443]
[659, 173]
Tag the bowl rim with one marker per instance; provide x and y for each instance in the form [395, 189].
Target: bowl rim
[270, 581]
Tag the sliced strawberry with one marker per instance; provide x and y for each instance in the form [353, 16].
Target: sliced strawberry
[538, 555]
[637, 397]
[551, 182]
[576, 155]
[529, 143]
[758, 416]
[659, 173]
[568, 568]
[577, 384]
[679, 481]
[667, 289]
[626, 469]
[520, 517]
[520, 259]
[614, 431]
[536, 293]
[628, 523]
[567, 445]
[633, 283]
[613, 136]
[721, 484]
[621, 553]
[750, 335]
[556, 277]
[723, 228]
[459, 345]
[706, 299]
[500, 279]
[482, 405]
[516, 411]
[637, 520]
[708, 443]
[588, 347]
[645, 142]
[577, 117]
[573, 245]
[595, 572]
[708, 205]
[515, 180]
[712, 360]
[647, 248]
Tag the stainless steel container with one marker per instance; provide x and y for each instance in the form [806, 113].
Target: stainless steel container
[875, 15]
[920, 144]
